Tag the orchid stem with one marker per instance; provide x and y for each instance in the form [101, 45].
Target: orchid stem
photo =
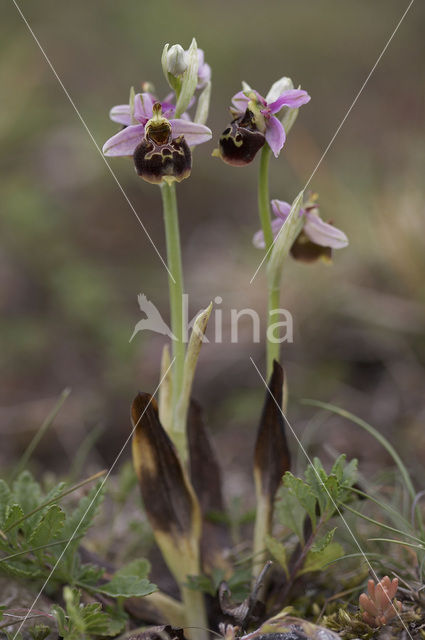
[273, 292]
[264, 198]
[273, 347]
[175, 283]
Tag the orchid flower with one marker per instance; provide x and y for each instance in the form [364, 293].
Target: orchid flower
[258, 120]
[316, 239]
[135, 120]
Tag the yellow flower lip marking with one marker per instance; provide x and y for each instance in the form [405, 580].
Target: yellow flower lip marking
[158, 128]
[255, 108]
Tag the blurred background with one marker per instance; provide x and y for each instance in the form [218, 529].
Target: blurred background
[73, 256]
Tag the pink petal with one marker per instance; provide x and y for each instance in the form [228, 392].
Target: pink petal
[124, 142]
[193, 133]
[121, 113]
[168, 109]
[143, 103]
[324, 234]
[201, 57]
[293, 98]
[240, 102]
[281, 209]
[258, 239]
[275, 135]
[204, 75]
[204, 70]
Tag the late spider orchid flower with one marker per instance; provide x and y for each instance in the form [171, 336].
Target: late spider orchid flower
[158, 142]
[316, 239]
[258, 120]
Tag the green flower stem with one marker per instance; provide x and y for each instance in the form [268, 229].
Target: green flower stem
[196, 615]
[175, 283]
[263, 197]
[273, 291]
[273, 348]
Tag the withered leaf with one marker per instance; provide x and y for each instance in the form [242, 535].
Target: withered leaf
[205, 476]
[272, 457]
[166, 493]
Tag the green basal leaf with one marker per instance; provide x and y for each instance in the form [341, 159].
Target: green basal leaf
[78, 622]
[49, 527]
[21, 569]
[82, 517]
[117, 619]
[130, 581]
[27, 493]
[278, 551]
[289, 512]
[13, 514]
[302, 492]
[39, 632]
[317, 560]
[323, 542]
[89, 574]
[333, 489]
[5, 498]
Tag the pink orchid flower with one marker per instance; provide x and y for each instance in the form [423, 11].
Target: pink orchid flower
[125, 142]
[278, 97]
[317, 238]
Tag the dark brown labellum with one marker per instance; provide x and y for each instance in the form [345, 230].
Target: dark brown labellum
[241, 140]
[305, 250]
[160, 157]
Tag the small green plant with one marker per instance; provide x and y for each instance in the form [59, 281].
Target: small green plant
[38, 534]
[305, 507]
[79, 621]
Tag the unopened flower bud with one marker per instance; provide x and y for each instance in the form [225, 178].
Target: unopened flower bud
[177, 60]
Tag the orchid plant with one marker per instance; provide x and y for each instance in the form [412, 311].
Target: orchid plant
[263, 123]
[178, 474]
[160, 136]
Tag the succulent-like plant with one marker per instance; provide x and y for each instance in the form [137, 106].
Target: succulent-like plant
[379, 604]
